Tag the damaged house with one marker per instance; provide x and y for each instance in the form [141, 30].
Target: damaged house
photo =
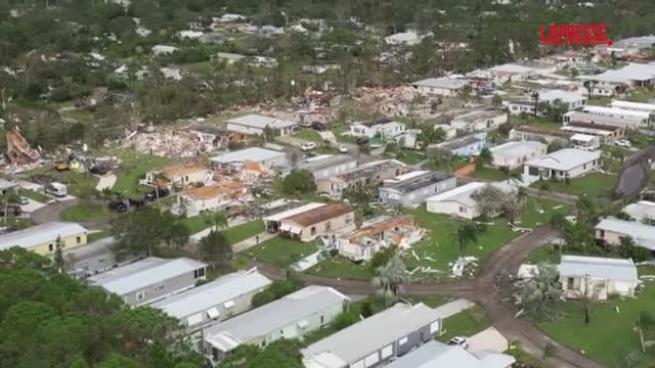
[220, 196]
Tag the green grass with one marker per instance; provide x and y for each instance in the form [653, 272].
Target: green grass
[133, 167]
[308, 135]
[280, 251]
[16, 222]
[545, 254]
[97, 236]
[195, 224]
[465, 323]
[539, 212]
[489, 173]
[35, 196]
[591, 185]
[610, 335]
[599, 100]
[642, 95]
[536, 122]
[339, 267]
[244, 231]
[441, 246]
[411, 157]
[84, 212]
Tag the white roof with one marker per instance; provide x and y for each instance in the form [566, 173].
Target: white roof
[217, 292]
[6, 184]
[629, 105]
[614, 111]
[261, 121]
[630, 72]
[599, 268]
[273, 316]
[641, 210]
[565, 159]
[370, 335]
[643, 235]
[444, 82]
[578, 137]
[518, 149]
[464, 194]
[40, 234]
[294, 211]
[558, 94]
[511, 68]
[149, 271]
[437, 354]
[256, 154]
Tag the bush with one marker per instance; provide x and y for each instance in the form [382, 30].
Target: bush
[299, 182]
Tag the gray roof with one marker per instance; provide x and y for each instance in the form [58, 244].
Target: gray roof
[437, 354]
[565, 159]
[261, 121]
[626, 74]
[256, 154]
[36, 235]
[271, 317]
[597, 267]
[465, 194]
[140, 274]
[416, 180]
[445, 83]
[462, 142]
[478, 115]
[217, 292]
[644, 235]
[558, 94]
[587, 117]
[323, 162]
[372, 334]
[518, 149]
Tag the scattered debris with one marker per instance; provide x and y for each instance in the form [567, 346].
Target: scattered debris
[19, 151]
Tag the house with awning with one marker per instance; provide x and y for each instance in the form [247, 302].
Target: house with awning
[323, 220]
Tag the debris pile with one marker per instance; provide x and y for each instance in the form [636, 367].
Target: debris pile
[169, 143]
[19, 151]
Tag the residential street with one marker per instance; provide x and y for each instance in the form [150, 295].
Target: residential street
[489, 290]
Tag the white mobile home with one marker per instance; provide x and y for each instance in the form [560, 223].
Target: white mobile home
[254, 124]
[596, 277]
[565, 163]
[461, 202]
[514, 154]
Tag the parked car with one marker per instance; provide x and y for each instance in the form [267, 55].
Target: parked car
[24, 201]
[343, 149]
[308, 146]
[55, 189]
[459, 341]
[623, 143]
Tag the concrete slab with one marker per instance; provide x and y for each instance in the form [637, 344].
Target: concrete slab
[489, 340]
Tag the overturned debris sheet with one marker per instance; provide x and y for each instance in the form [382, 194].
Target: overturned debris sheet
[19, 151]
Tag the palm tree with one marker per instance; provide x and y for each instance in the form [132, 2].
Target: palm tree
[466, 234]
[217, 220]
[389, 279]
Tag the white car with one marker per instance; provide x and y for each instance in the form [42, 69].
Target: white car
[308, 146]
[460, 341]
[623, 143]
[343, 149]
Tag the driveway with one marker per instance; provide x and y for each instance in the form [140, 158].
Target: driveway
[491, 290]
[52, 212]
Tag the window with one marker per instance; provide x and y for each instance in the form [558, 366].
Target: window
[213, 313]
[569, 282]
[78, 239]
[402, 341]
[140, 296]
[199, 273]
[322, 319]
[533, 171]
[51, 247]
[434, 327]
[371, 359]
[387, 351]
[228, 304]
[312, 231]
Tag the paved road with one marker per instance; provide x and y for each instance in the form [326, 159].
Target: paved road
[491, 290]
[51, 213]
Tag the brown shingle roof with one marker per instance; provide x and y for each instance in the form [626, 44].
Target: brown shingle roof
[320, 214]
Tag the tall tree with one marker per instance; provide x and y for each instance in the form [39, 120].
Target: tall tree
[215, 248]
[539, 296]
[466, 234]
[389, 279]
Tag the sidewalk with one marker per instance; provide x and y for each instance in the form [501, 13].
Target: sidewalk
[454, 307]
[252, 241]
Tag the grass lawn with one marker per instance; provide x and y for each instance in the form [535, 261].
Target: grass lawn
[592, 185]
[16, 222]
[35, 196]
[536, 122]
[539, 212]
[84, 212]
[411, 157]
[545, 254]
[489, 173]
[280, 251]
[440, 246]
[97, 236]
[642, 95]
[308, 135]
[195, 224]
[610, 335]
[465, 323]
[339, 267]
[133, 167]
[244, 231]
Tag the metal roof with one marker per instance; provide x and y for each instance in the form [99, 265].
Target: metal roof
[565, 159]
[464, 194]
[415, 180]
[437, 354]
[630, 105]
[40, 234]
[587, 117]
[256, 154]
[294, 211]
[140, 274]
[615, 112]
[477, 115]
[643, 235]
[219, 291]
[273, 316]
[370, 335]
[462, 142]
[518, 149]
[599, 268]
[325, 161]
[444, 82]
[641, 210]
[261, 121]
[558, 94]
